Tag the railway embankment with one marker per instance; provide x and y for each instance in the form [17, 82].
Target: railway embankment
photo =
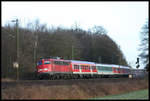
[70, 89]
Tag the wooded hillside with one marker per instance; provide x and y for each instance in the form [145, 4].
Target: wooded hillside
[74, 43]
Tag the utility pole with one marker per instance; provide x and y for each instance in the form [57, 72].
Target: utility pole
[35, 48]
[17, 48]
[99, 59]
[119, 56]
[118, 59]
[36, 41]
[112, 59]
[72, 51]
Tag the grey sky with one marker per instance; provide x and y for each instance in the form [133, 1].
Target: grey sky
[122, 20]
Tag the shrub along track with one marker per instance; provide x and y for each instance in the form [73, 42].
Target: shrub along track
[69, 89]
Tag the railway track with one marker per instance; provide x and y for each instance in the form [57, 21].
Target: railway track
[6, 84]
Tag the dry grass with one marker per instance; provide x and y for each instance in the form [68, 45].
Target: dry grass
[75, 91]
[7, 79]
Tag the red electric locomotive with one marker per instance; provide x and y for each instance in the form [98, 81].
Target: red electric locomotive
[53, 68]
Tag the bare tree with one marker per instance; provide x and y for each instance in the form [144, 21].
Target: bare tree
[144, 45]
[99, 30]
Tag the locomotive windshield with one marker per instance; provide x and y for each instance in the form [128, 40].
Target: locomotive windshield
[46, 62]
[39, 63]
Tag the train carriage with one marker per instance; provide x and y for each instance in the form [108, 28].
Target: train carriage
[83, 68]
[138, 73]
[108, 70]
[124, 71]
[104, 70]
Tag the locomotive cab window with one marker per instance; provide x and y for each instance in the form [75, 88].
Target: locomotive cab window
[46, 62]
[39, 63]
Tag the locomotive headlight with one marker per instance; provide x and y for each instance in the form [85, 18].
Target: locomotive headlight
[39, 70]
[45, 69]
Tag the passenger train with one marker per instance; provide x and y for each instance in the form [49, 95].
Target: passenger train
[56, 68]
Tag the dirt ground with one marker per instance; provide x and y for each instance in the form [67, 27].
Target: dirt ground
[70, 89]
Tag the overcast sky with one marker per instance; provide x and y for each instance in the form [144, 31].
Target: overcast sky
[122, 20]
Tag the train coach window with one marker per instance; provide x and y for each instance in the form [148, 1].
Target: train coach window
[55, 62]
[109, 68]
[99, 68]
[115, 69]
[103, 68]
[65, 63]
[106, 68]
[82, 67]
[61, 63]
[76, 66]
[120, 69]
[86, 67]
[93, 67]
[127, 70]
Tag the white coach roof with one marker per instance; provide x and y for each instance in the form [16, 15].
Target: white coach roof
[112, 65]
[84, 62]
